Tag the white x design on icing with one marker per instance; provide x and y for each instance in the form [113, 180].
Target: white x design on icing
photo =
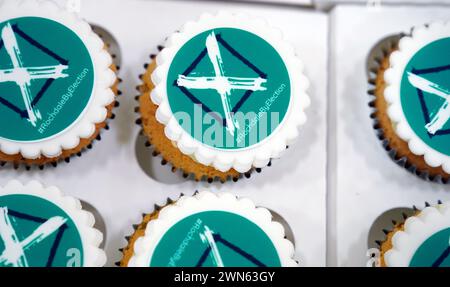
[221, 83]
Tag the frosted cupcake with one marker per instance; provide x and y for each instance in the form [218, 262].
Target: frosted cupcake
[422, 240]
[40, 227]
[224, 96]
[200, 231]
[57, 84]
[411, 108]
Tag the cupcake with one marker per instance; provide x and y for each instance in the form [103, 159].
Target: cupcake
[40, 227]
[423, 240]
[200, 231]
[57, 84]
[411, 90]
[224, 96]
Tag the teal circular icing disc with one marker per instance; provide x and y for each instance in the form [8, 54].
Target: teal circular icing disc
[425, 90]
[34, 232]
[46, 78]
[434, 252]
[228, 88]
[215, 239]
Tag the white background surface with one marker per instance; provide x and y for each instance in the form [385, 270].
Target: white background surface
[366, 182]
[109, 176]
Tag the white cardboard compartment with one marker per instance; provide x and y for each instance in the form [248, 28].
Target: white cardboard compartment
[109, 176]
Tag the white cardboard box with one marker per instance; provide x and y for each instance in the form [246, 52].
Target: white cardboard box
[109, 176]
[363, 180]
[384, 2]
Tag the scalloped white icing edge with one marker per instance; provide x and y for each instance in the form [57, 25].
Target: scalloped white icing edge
[417, 229]
[260, 154]
[84, 221]
[408, 47]
[208, 201]
[104, 78]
